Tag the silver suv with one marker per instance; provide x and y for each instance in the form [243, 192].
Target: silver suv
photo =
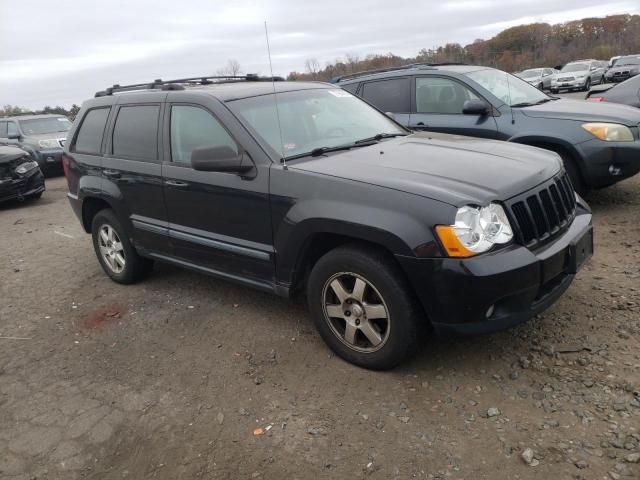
[42, 136]
[579, 75]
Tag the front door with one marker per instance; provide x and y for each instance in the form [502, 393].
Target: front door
[217, 221]
[439, 105]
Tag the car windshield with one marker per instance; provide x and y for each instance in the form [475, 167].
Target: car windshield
[39, 126]
[312, 119]
[575, 67]
[534, 72]
[628, 61]
[510, 89]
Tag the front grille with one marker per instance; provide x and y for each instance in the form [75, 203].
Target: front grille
[541, 215]
[565, 79]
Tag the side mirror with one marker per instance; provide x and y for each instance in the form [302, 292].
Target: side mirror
[220, 158]
[390, 115]
[475, 107]
[593, 68]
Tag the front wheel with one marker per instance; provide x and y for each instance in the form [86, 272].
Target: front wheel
[541, 87]
[587, 85]
[363, 308]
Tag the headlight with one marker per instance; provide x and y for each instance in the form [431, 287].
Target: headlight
[25, 167]
[609, 132]
[475, 231]
[49, 143]
[580, 76]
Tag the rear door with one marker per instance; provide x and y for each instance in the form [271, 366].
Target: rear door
[132, 168]
[218, 221]
[392, 95]
[438, 107]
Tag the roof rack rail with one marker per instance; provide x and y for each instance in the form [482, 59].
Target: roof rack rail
[426, 66]
[179, 83]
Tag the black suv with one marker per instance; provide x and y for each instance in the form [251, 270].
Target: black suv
[312, 190]
[600, 144]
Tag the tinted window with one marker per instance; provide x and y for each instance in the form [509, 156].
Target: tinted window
[351, 88]
[3, 129]
[135, 134]
[441, 95]
[89, 138]
[194, 127]
[389, 95]
[12, 128]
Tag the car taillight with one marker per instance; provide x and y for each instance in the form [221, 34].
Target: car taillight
[65, 166]
[596, 99]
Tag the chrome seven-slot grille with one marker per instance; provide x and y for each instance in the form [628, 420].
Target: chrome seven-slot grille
[541, 215]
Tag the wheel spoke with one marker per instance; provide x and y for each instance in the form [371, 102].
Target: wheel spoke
[375, 311]
[371, 333]
[103, 236]
[117, 246]
[119, 259]
[358, 289]
[339, 290]
[110, 233]
[350, 333]
[103, 250]
[334, 311]
[111, 262]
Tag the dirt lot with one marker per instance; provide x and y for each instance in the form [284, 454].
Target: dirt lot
[169, 378]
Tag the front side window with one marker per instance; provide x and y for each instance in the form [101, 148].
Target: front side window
[193, 127]
[311, 119]
[3, 129]
[39, 126]
[12, 129]
[135, 134]
[510, 89]
[389, 95]
[89, 138]
[441, 95]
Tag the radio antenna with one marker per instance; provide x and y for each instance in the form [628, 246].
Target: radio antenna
[275, 98]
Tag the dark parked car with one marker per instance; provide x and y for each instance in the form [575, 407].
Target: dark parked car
[624, 68]
[627, 93]
[381, 229]
[20, 177]
[600, 144]
[43, 136]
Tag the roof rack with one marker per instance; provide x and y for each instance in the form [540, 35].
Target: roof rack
[179, 84]
[425, 66]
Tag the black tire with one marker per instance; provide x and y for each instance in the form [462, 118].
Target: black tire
[387, 287]
[36, 196]
[541, 87]
[574, 175]
[587, 85]
[555, 91]
[135, 267]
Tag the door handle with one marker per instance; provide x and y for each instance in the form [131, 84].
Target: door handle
[418, 126]
[176, 183]
[112, 173]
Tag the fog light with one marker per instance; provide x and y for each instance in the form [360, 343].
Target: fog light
[490, 311]
[615, 170]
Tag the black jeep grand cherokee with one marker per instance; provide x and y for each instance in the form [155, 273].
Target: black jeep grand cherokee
[313, 190]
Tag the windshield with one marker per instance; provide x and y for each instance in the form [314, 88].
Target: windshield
[534, 72]
[628, 61]
[508, 88]
[39, 126]
[312, 119]
[575, 67]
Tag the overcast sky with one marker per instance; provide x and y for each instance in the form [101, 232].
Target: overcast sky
[60, 52]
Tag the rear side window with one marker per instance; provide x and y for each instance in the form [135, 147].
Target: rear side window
[193, 127]
[389, 95]
[135, 134]
[89, 138]
[3, 129]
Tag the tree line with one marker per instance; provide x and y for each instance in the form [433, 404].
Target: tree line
[14, 110]
[513, 49]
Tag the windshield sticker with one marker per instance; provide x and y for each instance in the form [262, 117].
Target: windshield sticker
[340, 93]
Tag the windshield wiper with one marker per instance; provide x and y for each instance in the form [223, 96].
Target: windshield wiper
[380, 136]
[529, 104]
[316, 152]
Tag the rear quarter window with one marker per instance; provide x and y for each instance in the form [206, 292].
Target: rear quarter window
[91, 131]
[135, 134]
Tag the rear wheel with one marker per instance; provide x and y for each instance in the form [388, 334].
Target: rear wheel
[363, 308]
[115, 253]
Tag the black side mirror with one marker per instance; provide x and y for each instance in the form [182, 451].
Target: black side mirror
[220, 158]
[475, 107]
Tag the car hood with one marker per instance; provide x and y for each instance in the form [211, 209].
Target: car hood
[624, 68]
[453, 169]
[9, 154]
[47, 136]
[582, 111]
[573, 74]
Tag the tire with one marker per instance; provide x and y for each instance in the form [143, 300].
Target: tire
[574, 175]
[587, 85]
[555, 91]
[541, 87]
[36, 196]
[111, 241]
[370, 283]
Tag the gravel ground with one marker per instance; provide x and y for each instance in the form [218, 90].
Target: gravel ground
[170, 378]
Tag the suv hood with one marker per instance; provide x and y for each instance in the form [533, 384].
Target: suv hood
[453, 169]
[9, 154]
[582, 111]
[624, 68]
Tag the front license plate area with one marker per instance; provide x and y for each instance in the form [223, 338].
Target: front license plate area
[580, 251]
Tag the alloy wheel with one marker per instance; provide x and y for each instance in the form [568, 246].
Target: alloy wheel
[111, 248]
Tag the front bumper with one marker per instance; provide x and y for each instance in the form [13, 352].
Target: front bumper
[579, 83]
[49, 158]
[606, 163]
[18, 189]
[512, 283]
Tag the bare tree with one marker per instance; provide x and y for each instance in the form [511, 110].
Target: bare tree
[312, 66]
[232, 68]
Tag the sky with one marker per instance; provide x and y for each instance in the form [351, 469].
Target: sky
[61, 52]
